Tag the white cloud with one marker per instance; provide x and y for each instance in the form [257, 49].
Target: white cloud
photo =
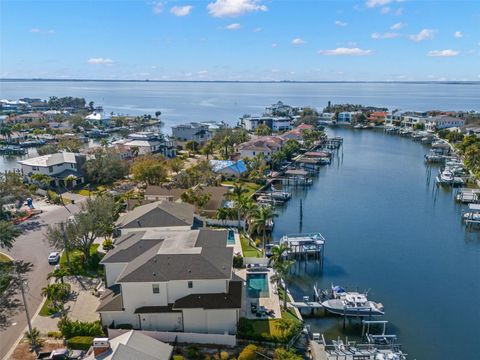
[387, 35]
[100, 61]
[443, 53]
[274, 45]
[340, 23]
[375, 3]
[181, 10]
[232, 8]
[298, 41]
[258, 29]
[425, 34]
[397, 26]
[345, 52]
[385, 10]
[234, 26]
[458, 34]
[202, 72]
[157, 7]
[41, 31]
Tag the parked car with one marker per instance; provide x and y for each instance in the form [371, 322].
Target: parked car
[62, 354]
[54, 258]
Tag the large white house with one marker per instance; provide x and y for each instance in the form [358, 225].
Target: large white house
[58, 166]
[199, 132]
[444, 122]
[276, 123]
[167, 280]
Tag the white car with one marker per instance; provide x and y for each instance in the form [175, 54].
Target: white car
[54, 258]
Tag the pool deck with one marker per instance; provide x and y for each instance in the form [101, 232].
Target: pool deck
[270, 303]
[237, 247]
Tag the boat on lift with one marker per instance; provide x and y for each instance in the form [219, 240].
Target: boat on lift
[351, 303]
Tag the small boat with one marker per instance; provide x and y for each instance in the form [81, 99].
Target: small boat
[446, 177]
[351, 304]
[358, 126]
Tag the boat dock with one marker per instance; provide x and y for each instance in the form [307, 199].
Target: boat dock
[305, 246]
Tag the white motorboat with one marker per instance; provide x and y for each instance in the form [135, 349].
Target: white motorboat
[351, 304]
[445, 177]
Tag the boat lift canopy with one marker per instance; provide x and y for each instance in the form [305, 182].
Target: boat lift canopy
[474, 207]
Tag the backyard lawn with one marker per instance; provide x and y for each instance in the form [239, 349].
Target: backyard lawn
[267, 329]
[247, 249]
[251, 187]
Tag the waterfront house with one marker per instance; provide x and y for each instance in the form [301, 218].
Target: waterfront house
[377, 117]
[58, 166]
[149, 143]
[281, 109]
[193, 131]
[33, 117]
[98, 118]
[326, 118]
[265, 145]
[166, 215]
[346, 117]
[172, 281]
[228, 168]
[296, 134]
[276, 123]
[444, 122]
[129, 345]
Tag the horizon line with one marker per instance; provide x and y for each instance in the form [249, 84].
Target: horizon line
[464, 82]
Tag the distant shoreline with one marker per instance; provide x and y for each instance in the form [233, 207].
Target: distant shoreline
[246, 81]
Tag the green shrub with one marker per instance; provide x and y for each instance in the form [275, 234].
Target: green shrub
[71, 328]
[55, 334]
[248, 353]
[107, 244]
[193, 353]
[80, 342]
[178, 357]
[224, 355]
[237, 262]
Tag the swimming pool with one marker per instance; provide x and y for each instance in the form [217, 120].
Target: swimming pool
[231, 237]
[257, 285]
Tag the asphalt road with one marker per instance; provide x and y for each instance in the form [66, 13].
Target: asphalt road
[31, 246]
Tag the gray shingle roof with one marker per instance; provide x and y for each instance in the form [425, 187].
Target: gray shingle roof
[181, 255]
[111, 299]
[128, 247]
[158, 214]
[230, 300]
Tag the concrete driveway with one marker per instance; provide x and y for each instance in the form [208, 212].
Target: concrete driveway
[31, 246]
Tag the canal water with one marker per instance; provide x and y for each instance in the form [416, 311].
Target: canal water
[390, 231]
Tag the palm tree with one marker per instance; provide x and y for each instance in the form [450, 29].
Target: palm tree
[57, 294]
[33, 338]
[208, 149]
[237, 195]
[225, 144]
[6, 131]
[278, 253]
[260, 219]
[283, 325]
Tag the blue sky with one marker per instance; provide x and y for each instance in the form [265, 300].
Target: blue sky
[241, 40]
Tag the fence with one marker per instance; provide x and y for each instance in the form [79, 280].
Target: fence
[224, 223]
[182, 337]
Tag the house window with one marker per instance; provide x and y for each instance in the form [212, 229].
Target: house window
[156, 288]
[190, 284]
[50, 169]
[35, 168]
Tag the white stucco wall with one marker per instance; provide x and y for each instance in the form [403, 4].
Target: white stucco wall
[120, 317]
[136, 295]
[112, 271]
[195, 320]
[162, 321]
[56, 169]
[221, 321]
[179, 289]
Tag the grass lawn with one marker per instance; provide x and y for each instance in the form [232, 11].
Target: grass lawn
[247, 249]
[251, 187]
[267, 327]
[77, 266]
[45, 311]
[290, 314]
